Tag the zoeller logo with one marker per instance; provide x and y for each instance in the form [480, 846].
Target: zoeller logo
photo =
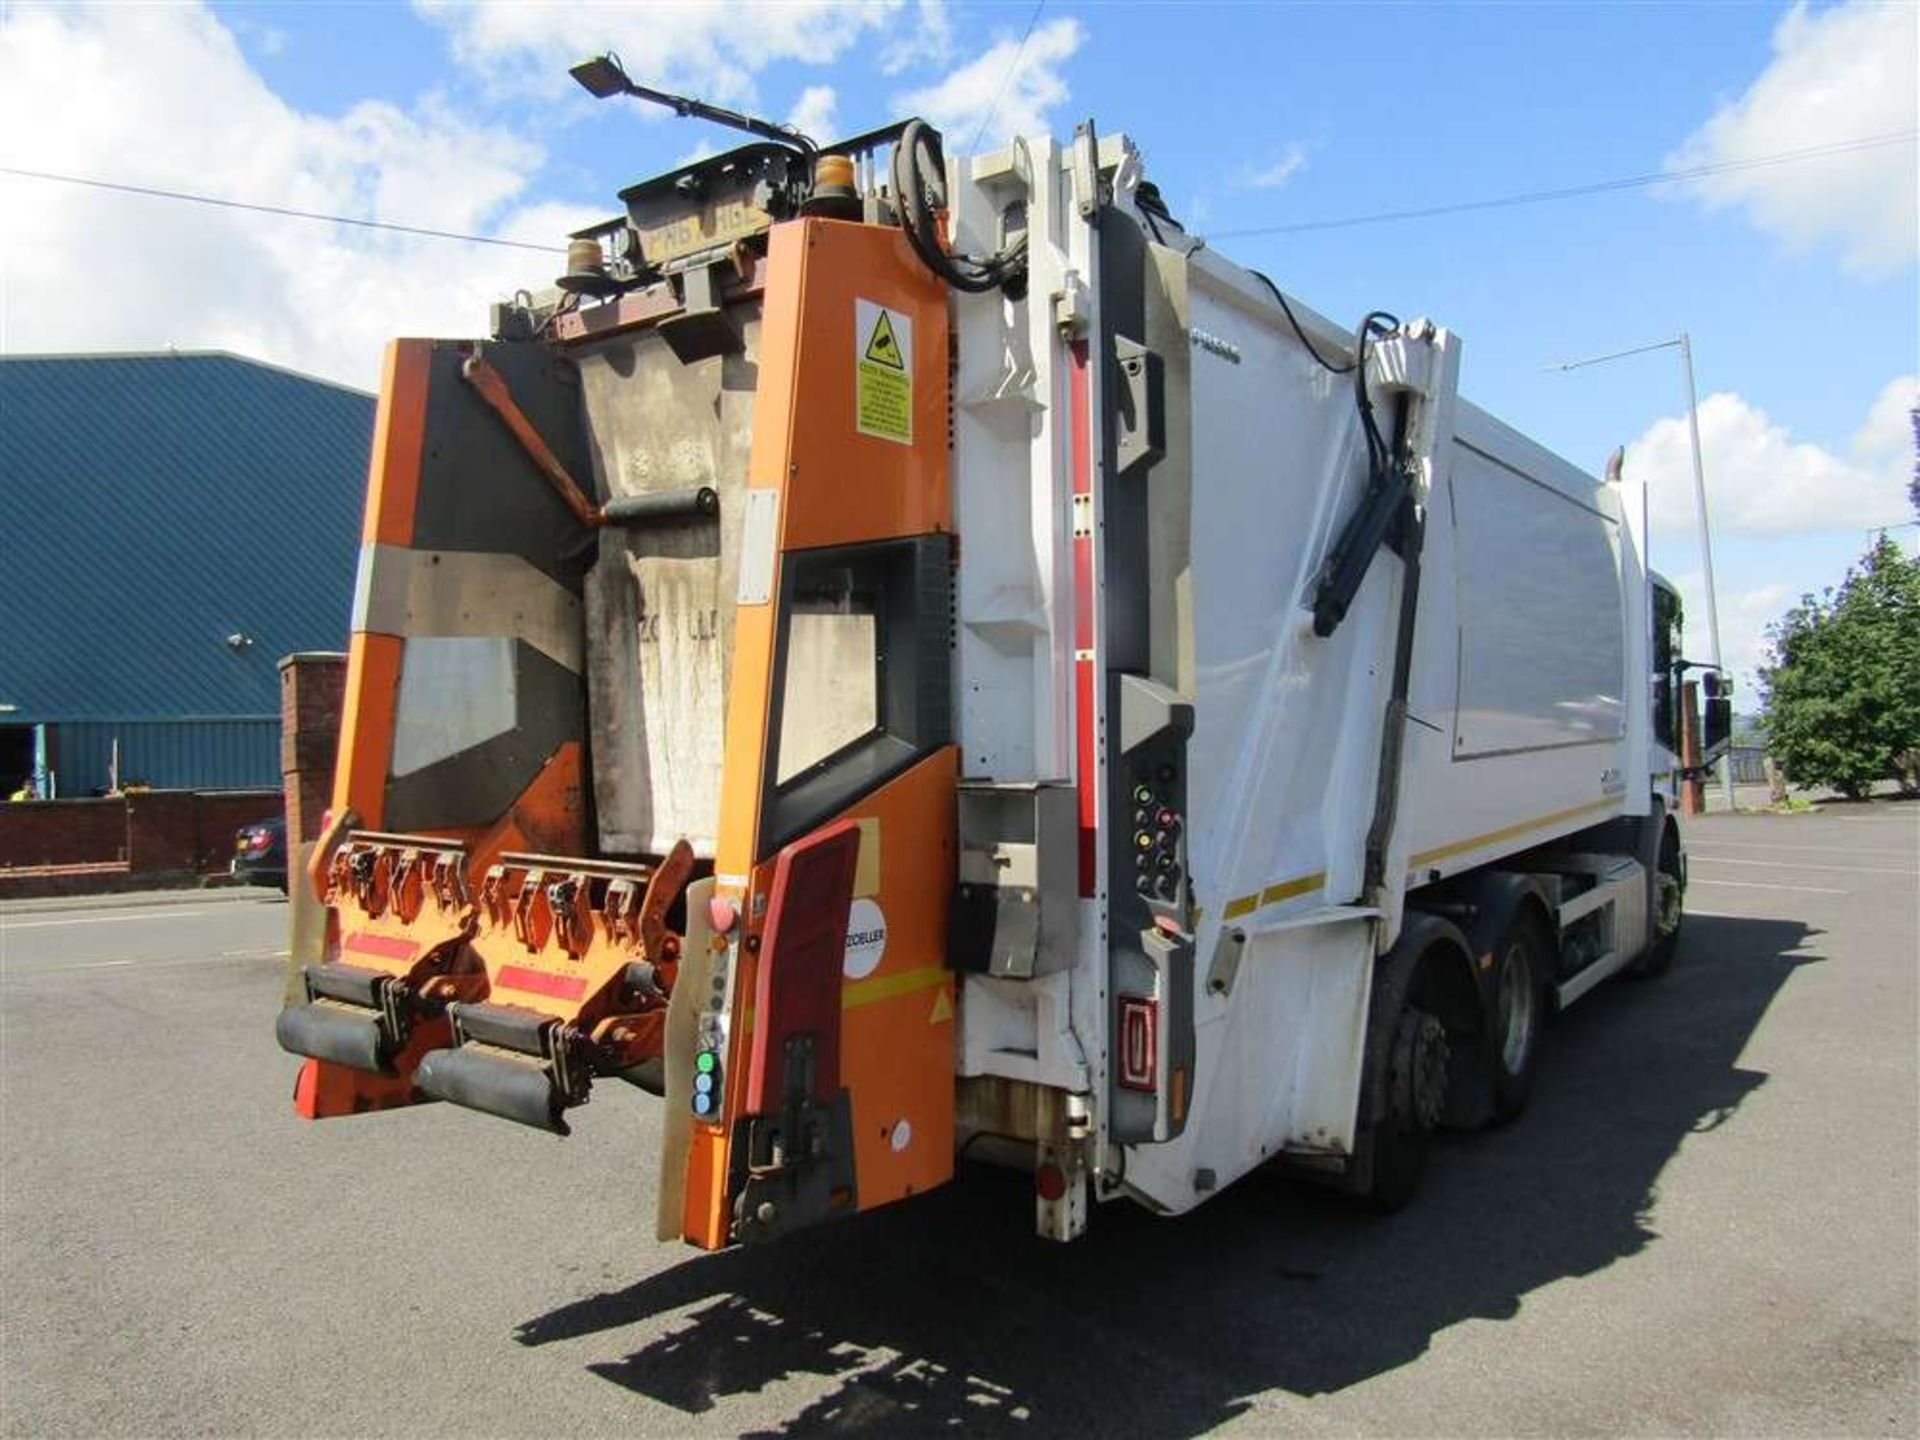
[1214, 345]
[866, 939]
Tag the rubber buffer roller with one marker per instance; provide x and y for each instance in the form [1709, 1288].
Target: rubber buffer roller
[511, 1086]
[342, 1034]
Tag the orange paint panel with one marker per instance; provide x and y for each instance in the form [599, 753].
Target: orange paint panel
[749, 696]
[549, 818]
[399, 442]
[896, 1057]
[373, 661]
[843, 486]
[897, 1050]
[366, 728]
[324, 1091]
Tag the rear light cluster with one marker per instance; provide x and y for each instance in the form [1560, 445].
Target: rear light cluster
[1139, 1067]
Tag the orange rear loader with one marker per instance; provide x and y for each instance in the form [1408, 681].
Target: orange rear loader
[693, 517]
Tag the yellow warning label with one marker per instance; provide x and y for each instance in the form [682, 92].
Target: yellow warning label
[942, 1008]
[883, 372]
[882, 348]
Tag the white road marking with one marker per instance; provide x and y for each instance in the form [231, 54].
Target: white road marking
[101, 919]
[1758, 885]
[56, 967]
[1797, 865]
[1827, 849]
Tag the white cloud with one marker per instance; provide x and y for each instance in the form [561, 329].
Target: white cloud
[1271, 177]
[1744, 617]
[704, 149]
[709, 48]
[1760, 481]
[1009, 89]
[1889, 438]
[1841, 74]
[928, 42]
[165, 97]
[262, 39]
[814, 114]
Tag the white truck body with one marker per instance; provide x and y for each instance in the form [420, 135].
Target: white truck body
[1527, 706]
[1217, 743]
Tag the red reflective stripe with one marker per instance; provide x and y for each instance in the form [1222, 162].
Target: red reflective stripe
[1080, 413]
[387, 947]
[1080, 430]
[1089, 818]
[1083, 592]
[538, 982]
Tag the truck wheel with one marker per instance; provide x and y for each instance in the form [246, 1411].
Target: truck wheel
[1669, 908]
[1416, 1091]
[1519, 1012]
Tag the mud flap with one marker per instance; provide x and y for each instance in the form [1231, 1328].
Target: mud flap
[794, 1159]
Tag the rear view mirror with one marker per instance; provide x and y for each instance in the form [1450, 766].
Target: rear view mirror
[1717, 721]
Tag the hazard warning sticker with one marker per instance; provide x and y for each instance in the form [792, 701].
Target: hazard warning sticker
[883, 372]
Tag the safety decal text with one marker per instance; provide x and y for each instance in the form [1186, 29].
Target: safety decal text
[883, 372]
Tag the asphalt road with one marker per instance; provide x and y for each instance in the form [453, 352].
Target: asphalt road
[1707, 1222]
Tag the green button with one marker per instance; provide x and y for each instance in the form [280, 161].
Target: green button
[704, 1062]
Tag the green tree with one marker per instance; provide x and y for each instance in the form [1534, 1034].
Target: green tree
[1843, 692]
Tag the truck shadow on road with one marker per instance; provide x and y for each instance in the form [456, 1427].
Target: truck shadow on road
[946, 1313]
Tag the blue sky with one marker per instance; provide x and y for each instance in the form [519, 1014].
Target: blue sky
[1796, 282]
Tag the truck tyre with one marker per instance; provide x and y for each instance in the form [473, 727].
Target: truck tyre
[1522, 960]
[1669, 909]
[1417, 1085]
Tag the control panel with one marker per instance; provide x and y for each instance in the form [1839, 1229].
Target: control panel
[1151, 1064]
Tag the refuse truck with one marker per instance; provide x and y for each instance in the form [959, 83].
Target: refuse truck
[904, 656]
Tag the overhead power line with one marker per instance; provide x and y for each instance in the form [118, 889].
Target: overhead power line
[999, 93]
[1535, 197]
[1843, 147]
[221, 202]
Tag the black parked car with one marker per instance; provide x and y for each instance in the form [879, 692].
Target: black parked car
[260, 852]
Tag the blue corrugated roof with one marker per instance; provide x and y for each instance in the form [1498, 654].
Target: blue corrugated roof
[151, 506]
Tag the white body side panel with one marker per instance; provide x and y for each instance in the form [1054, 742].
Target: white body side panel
[1287, 726]
[1521, 659]
[1527, 701]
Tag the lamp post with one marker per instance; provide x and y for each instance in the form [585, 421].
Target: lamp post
[1682, 343]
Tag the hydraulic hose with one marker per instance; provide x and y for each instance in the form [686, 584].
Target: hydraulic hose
[920, 191]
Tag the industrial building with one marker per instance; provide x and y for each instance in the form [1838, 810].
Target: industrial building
[174, 524]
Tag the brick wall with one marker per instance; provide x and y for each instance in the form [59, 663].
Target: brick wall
[312, 694]
[161, 830]
[313, 688]
[63, 832]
